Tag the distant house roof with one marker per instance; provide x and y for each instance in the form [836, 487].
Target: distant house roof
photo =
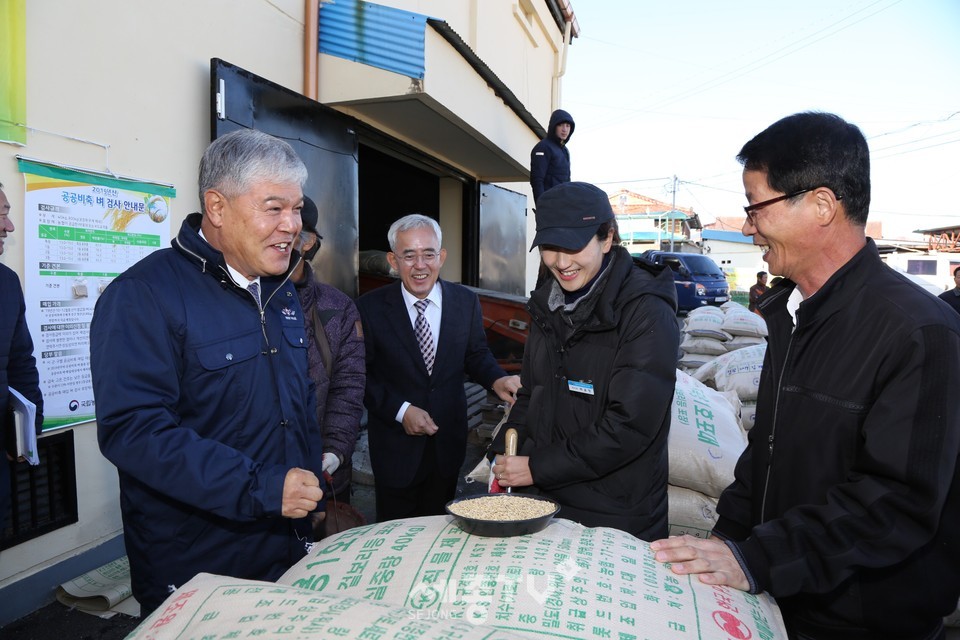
[650, 236]
[626, 202]
[939, 230]
[726, 236]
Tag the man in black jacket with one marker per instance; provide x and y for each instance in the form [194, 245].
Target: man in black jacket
[952, 297]
[550, 158]
[846, 502]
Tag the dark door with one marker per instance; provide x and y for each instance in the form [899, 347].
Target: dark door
[503, 237]
[326, 141]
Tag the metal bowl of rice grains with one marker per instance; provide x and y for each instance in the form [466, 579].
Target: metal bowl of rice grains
[502, 515]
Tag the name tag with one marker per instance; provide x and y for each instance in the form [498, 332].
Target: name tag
[580, 387]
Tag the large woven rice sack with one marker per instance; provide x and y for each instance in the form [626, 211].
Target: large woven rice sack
[690, 362]
[740, 322]
[690, 512]
[748, 415]
[740, 342]
[699, 344]
[706, 325]
[705, 437]
[215, 607]
[737, 371]
[717, 311]
[567, 581]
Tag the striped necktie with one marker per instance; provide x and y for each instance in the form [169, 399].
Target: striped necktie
[424, 337]
[254, 289]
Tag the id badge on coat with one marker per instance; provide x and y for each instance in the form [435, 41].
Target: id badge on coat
[580, 386]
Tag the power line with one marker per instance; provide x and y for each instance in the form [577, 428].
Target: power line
[931, 146]
[758, 63]
[915, 124]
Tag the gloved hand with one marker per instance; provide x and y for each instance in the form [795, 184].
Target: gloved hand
[331, 462]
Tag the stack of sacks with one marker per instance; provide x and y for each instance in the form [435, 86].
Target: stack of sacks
[709, 332]
[705, 443]
[737, 372]
[745, 327]
[703, 338]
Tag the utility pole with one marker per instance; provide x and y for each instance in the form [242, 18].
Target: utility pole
[673, 211]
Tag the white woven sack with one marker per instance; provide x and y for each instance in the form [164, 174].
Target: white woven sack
[737, 371]
[706, 325]
[691, 362]
[733, 305]
[690, 512]
[739, 342]
[717, 311]
[212, 606]
[744, 323]
[708, 346]
[748, 416]
[705, 438]
[567, 581]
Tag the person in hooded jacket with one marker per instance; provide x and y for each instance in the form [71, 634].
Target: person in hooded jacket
[199, 361]
[335, 353]
[550, 158]
[598, 374]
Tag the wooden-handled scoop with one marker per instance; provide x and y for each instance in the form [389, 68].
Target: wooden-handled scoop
[511, 446]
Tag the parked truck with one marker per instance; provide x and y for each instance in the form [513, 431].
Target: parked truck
[699, 280]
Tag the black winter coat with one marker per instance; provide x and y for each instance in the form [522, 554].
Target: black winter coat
[603, 457]
[550, 159]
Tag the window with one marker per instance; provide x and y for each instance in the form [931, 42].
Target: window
[922, 267]
[43, 498]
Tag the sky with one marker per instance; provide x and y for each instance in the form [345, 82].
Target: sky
[674, 89]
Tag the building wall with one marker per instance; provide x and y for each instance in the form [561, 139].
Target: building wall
[123, 86]
[517, 40]
[739, 261]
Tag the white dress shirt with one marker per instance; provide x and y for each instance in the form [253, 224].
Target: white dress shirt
[432, 314]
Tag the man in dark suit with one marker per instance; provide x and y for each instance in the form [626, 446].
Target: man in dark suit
[422, 337]
[18, 368]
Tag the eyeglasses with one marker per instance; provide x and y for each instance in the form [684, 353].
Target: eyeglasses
[427, 257]
[750, 209]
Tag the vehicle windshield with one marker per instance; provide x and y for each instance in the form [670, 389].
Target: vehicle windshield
[702, 266]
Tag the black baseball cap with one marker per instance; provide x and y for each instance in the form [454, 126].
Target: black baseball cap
[569, 214]
[309, 215]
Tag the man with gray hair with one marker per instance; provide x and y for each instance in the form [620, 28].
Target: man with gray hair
[422, 335]
[199, 361]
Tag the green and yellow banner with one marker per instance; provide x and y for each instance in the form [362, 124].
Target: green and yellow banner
[13, 71]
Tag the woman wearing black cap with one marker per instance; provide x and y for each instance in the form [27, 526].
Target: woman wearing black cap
[598, 375]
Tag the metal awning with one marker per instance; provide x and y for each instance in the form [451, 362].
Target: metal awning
[424, 108]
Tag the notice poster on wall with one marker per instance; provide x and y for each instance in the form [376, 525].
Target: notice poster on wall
[83, 229]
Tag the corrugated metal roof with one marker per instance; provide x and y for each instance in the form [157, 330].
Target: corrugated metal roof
[372, 34]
